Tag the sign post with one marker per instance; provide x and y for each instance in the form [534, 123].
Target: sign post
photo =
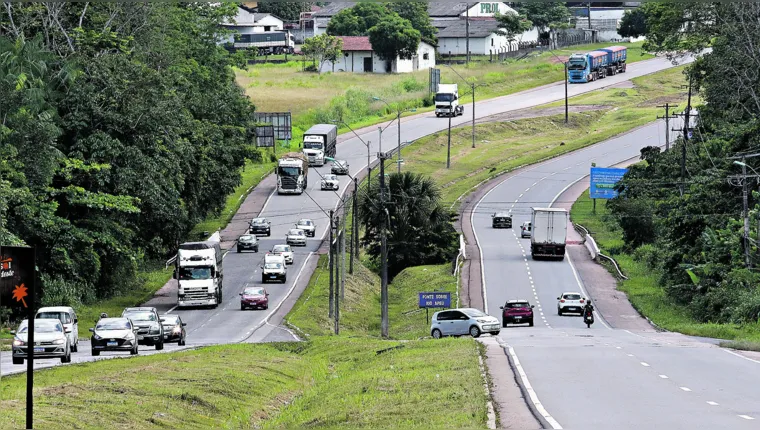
[17, 282]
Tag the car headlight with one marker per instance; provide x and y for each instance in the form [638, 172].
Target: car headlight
[59, 341]
[482, 320]
[96, 337]
[155, 329]
[176, 330]
[18, 342]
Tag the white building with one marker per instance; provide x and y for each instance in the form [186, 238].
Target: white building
[246, 22]
[605, 20]
[358, 57]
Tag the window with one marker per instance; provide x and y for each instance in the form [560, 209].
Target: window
[492, 42]
[459, 316]
[445, 316]
[426, 56]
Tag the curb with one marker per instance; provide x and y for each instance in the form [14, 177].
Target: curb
[524, 390]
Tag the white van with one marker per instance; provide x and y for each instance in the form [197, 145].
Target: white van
[273, 268]
[68, 319]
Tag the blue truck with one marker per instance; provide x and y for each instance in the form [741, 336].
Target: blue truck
[597, 64]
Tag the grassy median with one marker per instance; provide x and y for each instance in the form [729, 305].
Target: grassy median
[643, 288]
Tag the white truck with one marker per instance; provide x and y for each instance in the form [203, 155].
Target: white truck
[199, 274]
[320, 141]
[447, 101]
[549, 234]
[292, 173]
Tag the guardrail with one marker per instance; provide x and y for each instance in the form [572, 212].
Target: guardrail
[593, 248]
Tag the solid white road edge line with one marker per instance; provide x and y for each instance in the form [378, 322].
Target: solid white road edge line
[529, 388]
[740, 356]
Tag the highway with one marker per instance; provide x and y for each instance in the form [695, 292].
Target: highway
[601, 377]
[228, 323]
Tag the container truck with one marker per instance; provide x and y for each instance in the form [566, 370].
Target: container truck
[319, 142]
[549, 233]
[587, 67]
[292, 173]
[447, 101]
[268, 43]
[199, 274]
[616, 59]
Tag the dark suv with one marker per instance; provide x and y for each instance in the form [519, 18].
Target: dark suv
[150, 331]
[260, 226]
[516, 312]
[502, 220]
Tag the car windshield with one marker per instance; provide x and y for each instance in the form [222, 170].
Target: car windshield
[339, 163]
[577, 64]
[60, 316]
[331, 178]
[272, 266]
[474, 313]
[289, 171]
[194, 273]
[170, 319]
[281, 248]
[572, 296]
[518, 305]
[247, 238]
[141, 316]
[259, 221]
[444, 97]
[253, 292]
[304, 222]
[43, 328]
[114, 325]
[296, 232]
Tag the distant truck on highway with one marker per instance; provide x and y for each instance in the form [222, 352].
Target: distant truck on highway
[447, 101]
[292, 173]
[199, 274]
[319, 142]
[597, 64]
[549, 235]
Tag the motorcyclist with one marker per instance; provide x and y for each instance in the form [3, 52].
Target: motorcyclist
[103, 315]
[588, 310]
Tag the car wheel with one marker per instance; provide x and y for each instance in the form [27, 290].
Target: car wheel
[181, 341]
[474, 331]
[18, 360]
[436, 334]
[495, 333]
[263, 280]
[242, 307]
[256, 249]
[530, 323]
[133, 351]
[503, 323]
[266, 306]
[238, 250]
[75, 347]
[95, 353]
[160, 346]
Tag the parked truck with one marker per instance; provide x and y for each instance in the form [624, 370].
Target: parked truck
[616, 59]
[199, 274]
[292, 173]
[319, 142]
[549, 234]
[587, 67]
[447, 101]
[268, 43]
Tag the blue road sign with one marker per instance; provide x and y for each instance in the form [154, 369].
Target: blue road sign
[603, 181]
[435, 300]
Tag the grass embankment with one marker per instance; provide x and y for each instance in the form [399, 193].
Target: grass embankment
[643, 288]
[322, 383]
[506, 145]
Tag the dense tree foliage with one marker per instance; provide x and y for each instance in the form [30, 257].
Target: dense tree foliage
[394, 37]
[512, 25]
[545, 15]
[287, 10]
[419, 229]
[633, 24]
[122, 127]
[695, 241]
[416, 12]
[358, 20]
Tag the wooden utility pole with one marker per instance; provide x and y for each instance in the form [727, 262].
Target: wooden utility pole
[383, 250]
[667, 117]
[467, 30]
[331, 311]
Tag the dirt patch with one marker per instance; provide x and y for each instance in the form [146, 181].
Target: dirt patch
[560, 59]
[624, 84]
[673, 100]
[536, 113]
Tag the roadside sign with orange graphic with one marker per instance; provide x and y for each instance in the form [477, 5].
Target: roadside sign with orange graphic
[16, 276]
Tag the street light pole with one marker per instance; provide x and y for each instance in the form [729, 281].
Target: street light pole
[566, 108]
[398, 121]
[473, 115]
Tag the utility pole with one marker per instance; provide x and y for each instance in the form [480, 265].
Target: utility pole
[473, 115]
[745, 213]
[398, 120]
[369, 172]
[343, 255]
[380, 135]
[743, 178]
[467, 31]
[588, 9]
[383, 251]
[686, 131]
[331, 312]
[448, 148]
[567, 114]
[336, 290]
[667, 117]
[354, 229]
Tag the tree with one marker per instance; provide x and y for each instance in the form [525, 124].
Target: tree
[633, 24]
[288, 10]
[420, 230]
[323, 48]
[679, 27]
[513, 24]
[394, 37]
[357, 20]
[545, 15]
[416, 12]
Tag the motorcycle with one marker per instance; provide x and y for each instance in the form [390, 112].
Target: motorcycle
[588, 319]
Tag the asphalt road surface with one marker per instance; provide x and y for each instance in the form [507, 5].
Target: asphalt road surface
[601, 377]
[227, 323]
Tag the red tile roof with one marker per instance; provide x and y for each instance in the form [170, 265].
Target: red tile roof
[356, 43]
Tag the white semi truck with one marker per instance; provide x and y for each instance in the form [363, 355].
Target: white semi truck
[549, 235]
[199, 274]
[292, 173]
[447, 101]
[320, 141]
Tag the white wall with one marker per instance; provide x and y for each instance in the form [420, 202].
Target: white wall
[488, 9]
[458, 45]
[354, 62]
[270, 20]
[423, 49]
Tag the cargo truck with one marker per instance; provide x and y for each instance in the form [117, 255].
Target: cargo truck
[292, 173]
[549, 233]
[319, 142]
[199, 274]
[447, 101]
[616, 59]
[267, 43]
[587, 67]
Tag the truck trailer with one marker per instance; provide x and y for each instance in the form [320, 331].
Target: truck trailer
[587, 67]
[320, 141]
[199, 274]
[616, 59]
[447, 101]
[549, 235]
[267, 43]
[292, 173]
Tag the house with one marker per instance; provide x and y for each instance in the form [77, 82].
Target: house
[247, 22]
[359, 57]
[483, 31]
[605, 21]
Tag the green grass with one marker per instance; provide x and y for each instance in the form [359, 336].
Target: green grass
[504, 146]
[322, 383]
[360, 309]
[643, 288]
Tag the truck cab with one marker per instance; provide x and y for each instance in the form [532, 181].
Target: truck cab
[447, 101]
[199, 274]
[319, 142]
[587, 67]
[273, 268]
[292, 174]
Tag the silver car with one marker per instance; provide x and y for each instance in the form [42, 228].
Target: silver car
[330, 182]
[339, 167]
[525, 229]
[459, 322]
[285, 251]
[296, 237]
[307, 226]
[50, 341]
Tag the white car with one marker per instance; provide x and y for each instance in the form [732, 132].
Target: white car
[525, 229]
[330, 182]
[68, 318]
[296, 237]
[307, 226]
[458, 322]
[570, 302]
[285, 252]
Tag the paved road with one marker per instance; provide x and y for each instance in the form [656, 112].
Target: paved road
[602, 377]
[228, 323]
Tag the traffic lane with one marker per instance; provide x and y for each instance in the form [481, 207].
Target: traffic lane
[585, 381]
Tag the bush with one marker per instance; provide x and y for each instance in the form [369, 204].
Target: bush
[647, 254]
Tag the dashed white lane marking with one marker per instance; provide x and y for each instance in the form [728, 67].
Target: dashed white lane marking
[645, 364]
[522, 195]
[531, 393]
[746, 417]
[168, 312]
[526, 190]
[664, 376]
[712, 403]
[619, 347]
[685, 388]
[630, 355]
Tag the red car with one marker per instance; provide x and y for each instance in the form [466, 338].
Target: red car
[254, 297]
[516, 312]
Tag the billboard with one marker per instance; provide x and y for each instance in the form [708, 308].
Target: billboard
[435, 300]
[265, 136]
[281, 121]
[603, 182]
[16, 276]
